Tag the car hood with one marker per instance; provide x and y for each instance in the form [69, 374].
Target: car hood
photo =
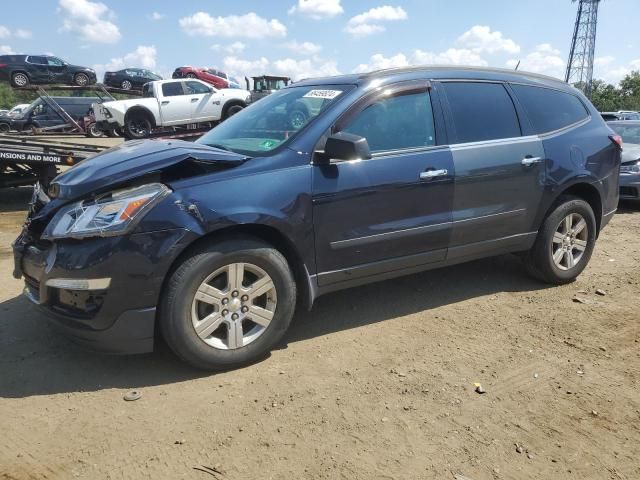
[630, 152]
[131, 160]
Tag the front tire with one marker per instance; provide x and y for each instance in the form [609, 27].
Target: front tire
[81, 79]
[564, 244]
[93, 131]
[231, 111]
[228, 304]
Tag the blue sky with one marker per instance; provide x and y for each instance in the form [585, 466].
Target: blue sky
[319, 37]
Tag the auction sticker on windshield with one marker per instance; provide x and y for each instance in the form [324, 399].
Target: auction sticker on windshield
[328, 94]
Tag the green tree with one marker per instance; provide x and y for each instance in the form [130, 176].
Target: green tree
[605, 97]
[630, 91]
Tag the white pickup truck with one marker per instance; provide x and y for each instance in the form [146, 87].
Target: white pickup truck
[170, 103]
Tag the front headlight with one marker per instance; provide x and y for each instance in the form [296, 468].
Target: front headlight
[633, 168]
[113, 213]
[248, 99]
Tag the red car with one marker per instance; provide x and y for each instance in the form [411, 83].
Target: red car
[210, 75]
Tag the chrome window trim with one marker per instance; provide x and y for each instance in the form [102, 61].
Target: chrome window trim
[491, 143]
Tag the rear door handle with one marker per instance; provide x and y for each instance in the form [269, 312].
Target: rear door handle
[195, 99]
[429, 174]
[528, 161]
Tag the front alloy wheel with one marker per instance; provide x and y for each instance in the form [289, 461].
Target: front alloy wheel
[228, 303]
[234, 306]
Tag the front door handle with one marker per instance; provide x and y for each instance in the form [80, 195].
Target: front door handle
[166, 102]
[529, 160]
[429, 174]
[195, 99]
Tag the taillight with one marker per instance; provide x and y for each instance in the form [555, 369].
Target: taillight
[2, 65]
[617, 139]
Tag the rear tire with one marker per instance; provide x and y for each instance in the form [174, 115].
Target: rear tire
[232, 339]
[137, 126]
[564, 244]
[126, 85]
[190, 75]
[20, 79]
[231, 111]
[5, 128]
[93, 131]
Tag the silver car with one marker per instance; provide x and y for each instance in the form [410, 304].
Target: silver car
[630, 169]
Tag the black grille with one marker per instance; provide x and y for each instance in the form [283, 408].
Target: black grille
[629, 191]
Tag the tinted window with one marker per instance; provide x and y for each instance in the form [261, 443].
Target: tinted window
[404, 121]
[195, 88]
[481, 111]
[548, 109]
[38, 60]
[172, 89]
[147, 90]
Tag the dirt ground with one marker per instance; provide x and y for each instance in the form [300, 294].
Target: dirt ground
[374, 383]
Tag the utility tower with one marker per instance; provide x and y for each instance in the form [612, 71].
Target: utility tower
[583, 45]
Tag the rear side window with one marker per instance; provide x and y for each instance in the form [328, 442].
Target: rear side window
[172, 89]
[396, 123]
[481, 111]
[550, 110]
[37, 60]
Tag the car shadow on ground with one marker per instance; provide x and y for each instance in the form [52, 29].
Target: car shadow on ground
[35, 359]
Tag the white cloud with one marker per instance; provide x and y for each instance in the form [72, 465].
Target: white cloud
[18, 33]
[296, 69]
[543, 59]
[317, 9]
[307, 68]
[22, 33]
[603, 69]
[452, 56]
[157, 16]
[6, 50]
[92, 21]
[144, 56]
[604, 61]
[233, 48]
[379, 62]
[369, 22]
[304, 48]
[481, 39]
[243, 26]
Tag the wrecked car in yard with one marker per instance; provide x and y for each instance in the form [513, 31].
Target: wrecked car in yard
[393, 172]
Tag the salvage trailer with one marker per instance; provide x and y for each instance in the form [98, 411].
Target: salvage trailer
[25, 161]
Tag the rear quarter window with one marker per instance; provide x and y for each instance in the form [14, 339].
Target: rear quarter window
[550, 110]
[481, 111]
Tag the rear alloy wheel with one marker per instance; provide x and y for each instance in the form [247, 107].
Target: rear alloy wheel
[126, 85]
[81, 79]
[190, 75]
[565, 242]
[227, 305]
[137, 126]
[20, 79]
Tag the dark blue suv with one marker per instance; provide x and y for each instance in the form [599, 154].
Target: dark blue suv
[324, 185]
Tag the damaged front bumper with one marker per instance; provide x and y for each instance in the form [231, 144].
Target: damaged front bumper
[101, 291]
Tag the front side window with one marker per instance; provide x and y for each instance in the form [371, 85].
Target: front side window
[395, 123]
[548, 109]
[194, 88]
[55, 62]
[481, 111]
[274, 120]
[172, 89]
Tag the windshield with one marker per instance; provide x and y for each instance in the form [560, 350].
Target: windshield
[629, 133]
[274, 120]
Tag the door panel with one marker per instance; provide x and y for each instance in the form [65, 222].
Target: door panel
[373, 210]
[498, 187]
[175, 106]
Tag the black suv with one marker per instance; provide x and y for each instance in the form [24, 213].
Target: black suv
[388, 173]
[23, 70]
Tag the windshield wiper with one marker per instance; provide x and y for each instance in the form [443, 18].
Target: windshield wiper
[220, 147]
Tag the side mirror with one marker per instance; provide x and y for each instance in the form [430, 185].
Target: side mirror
[344, 146]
